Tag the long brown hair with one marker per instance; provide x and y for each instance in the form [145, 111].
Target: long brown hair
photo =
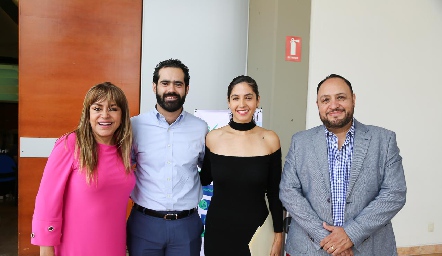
[86, 145]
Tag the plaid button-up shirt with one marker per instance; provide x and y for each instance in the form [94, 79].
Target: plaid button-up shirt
[339, 162]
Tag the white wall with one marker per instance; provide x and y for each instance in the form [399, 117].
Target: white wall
[210, 37]
[391, 51]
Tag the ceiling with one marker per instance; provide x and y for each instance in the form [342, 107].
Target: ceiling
[9, 51]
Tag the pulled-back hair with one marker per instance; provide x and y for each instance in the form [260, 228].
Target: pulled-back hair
[243, 79]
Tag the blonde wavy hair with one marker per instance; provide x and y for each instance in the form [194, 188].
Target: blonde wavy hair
[86, 145]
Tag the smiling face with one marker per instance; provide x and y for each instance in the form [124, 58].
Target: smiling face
[336, 104]
[105, 118]
[171, 90]
[243, 102]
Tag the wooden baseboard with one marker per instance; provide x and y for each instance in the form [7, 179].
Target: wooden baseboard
[420, 250]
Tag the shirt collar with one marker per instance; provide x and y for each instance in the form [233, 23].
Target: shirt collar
[160, 117]
[351, 131]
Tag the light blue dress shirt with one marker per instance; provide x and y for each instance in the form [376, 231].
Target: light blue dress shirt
[167, 159]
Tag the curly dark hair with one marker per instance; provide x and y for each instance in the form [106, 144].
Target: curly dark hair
[171, 63]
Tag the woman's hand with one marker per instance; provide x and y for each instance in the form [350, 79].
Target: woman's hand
[277, 245]
[47, 251]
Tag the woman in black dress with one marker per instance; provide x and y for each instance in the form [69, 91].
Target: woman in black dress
[244, 162]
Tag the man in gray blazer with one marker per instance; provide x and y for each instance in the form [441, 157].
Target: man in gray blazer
[342, 182]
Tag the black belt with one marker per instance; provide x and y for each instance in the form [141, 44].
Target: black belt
[167, 215]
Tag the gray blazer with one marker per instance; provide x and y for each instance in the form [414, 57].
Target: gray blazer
[376, 191]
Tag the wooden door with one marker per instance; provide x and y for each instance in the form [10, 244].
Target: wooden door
[65, 47]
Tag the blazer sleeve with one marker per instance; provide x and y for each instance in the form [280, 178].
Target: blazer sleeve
[274, 179]
[47, 220]
[389, 201]
[295, 202]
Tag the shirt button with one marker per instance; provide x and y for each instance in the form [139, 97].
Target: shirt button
[32, 235]
[168, 146]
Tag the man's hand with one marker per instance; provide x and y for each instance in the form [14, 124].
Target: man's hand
[337, 242]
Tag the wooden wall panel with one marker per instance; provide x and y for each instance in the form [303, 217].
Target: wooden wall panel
[29, 175]
[65, 47]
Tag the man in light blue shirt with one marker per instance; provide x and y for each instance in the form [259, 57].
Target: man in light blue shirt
[168, 147]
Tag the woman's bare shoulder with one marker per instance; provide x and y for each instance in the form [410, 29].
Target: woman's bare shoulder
[271, 139]
[214, 136]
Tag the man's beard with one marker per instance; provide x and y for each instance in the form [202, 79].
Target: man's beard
[171, 106]
[335, 124]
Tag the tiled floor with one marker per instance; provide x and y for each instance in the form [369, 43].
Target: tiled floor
[8, 227]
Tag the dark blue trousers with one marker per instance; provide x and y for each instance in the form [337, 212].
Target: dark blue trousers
[153, 236]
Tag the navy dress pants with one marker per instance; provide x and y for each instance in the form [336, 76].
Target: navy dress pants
[153, 236]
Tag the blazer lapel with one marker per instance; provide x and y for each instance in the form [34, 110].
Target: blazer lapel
[360, 148]
[320, 147]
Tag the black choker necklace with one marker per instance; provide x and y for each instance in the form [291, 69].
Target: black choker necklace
[242, 126]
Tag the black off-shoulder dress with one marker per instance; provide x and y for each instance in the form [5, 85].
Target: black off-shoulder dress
[238, 207]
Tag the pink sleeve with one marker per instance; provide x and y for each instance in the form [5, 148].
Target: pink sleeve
[48, 213]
